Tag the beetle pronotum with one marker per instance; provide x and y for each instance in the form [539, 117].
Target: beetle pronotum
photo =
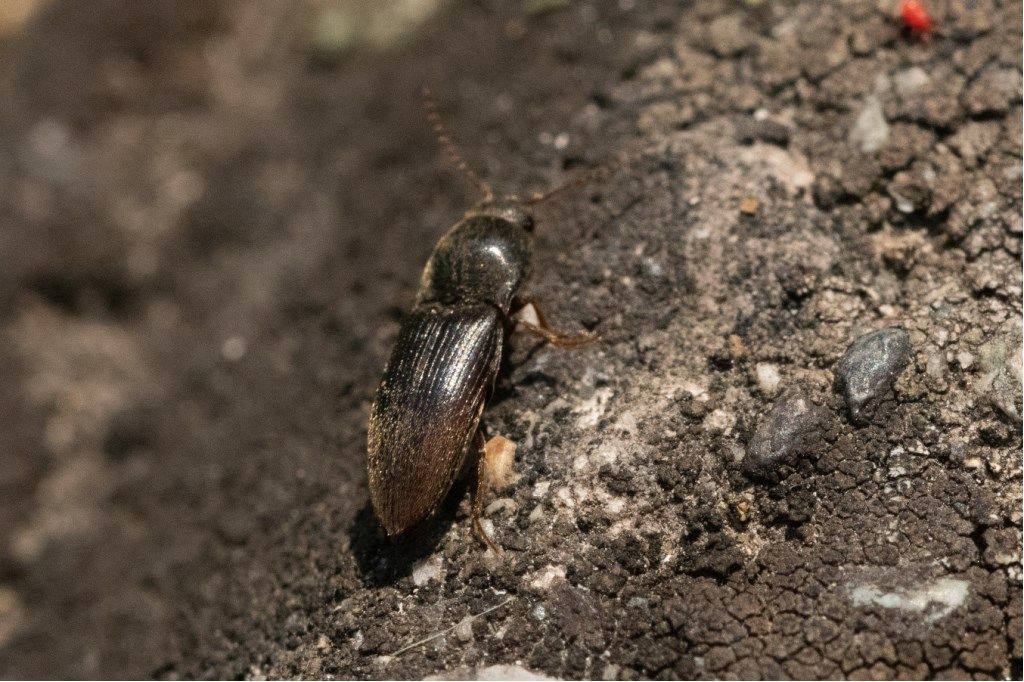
[445, 361]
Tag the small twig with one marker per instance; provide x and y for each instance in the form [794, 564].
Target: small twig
[444, 632]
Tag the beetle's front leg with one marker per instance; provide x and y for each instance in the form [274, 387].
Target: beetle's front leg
[546, 332]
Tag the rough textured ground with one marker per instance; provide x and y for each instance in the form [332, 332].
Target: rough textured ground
[213, 215]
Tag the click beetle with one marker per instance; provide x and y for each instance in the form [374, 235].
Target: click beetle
[426, 414]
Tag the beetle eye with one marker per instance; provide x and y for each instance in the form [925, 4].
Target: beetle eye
[528, 224]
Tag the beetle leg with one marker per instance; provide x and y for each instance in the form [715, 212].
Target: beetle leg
[478, 493]
[546, 332]
[556, 338]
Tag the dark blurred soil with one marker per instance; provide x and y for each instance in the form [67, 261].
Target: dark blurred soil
[213, 215]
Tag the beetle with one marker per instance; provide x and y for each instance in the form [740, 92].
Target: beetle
[442, 370]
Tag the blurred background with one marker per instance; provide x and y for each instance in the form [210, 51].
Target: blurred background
[199, 201]
[213, 214]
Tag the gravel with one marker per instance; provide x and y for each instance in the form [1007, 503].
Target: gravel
[870, 366]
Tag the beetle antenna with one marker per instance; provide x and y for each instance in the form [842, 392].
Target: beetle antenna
[596, 174]
[444, 140]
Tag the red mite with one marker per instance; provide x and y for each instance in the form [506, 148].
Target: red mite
[915, 17]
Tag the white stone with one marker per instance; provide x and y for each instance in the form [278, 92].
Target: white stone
[500, 504]
[234, 349]
[606, 453]
[591, 410]
[615, 505]
[545, 577]
[768, 378]
[910, 80]
[509, 672]
[464, 630]
[426, 570]
[870, 131]
[936, 600]
[719, 422]
[528, 314]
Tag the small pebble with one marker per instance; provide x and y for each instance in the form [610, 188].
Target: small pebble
[528, 314]
[861, 43]
[234, 349]
[782, 434]
[719, 422]
[749, 206]
[425, 571]
[737, 349]
[546, 577]
[1000, 369]
[508, 672]
[936, 366]
[464, 630]
[502, 504]
[870, 367]
[742, 510]
[728, 36]
[870, 131]
[909, 81]
[768, 378]
[903, 204]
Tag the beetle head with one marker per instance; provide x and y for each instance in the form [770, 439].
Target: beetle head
[510, 209]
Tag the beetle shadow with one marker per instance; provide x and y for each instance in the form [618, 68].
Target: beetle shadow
[383, 560]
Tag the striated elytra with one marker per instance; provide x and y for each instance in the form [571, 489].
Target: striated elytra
[444, 363]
